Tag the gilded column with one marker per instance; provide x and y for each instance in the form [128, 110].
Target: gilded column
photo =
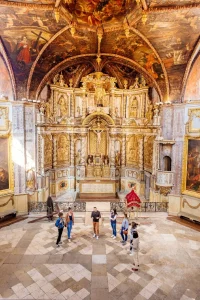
[72, 101]
[141, 152]
[112, 152]
[72, 149]
[123, 150]
[83, 149]
[54, 151]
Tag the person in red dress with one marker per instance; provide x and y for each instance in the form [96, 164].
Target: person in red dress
[132, 199]
[23, 50]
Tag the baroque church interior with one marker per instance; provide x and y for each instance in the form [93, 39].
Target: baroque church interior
[99, 98]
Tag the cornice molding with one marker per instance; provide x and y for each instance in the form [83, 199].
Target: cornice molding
[157, 9]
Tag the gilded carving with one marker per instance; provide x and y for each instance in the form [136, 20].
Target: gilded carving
[48, 150]
[63, 149]
[132, 151]
[148, 152]
[63, 107]
[184, 201]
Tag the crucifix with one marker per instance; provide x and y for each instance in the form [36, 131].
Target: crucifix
[98, 131]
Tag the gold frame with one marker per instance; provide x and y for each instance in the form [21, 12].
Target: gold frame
[10, 190]
[184, 167]
[194, 112]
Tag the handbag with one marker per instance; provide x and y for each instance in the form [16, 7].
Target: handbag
[125, 231]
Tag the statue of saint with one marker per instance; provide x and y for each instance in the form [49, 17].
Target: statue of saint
[116, 112]
[117, 158]
[149, 113]
[99, 94]
[133, 108]
[136, 84]
[47, 110]
[78, 110]
[63, 107]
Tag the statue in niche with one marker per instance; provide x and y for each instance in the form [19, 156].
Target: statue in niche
[78, 157]
[63, 149]
[136, 84]
[117, 158]
[30, 179]
[78, 110]
[99, 94]
[133, 108]
[106, 160]
[116, 112]
[149, 113]
[63, 106]
[98, 133]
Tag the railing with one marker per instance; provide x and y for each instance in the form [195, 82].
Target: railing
[145, 206]
[165, 178]
[37, 207]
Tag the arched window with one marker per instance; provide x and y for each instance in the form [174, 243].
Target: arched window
[167, 163]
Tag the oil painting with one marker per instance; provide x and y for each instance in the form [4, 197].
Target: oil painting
[191, 167]
[4, 164]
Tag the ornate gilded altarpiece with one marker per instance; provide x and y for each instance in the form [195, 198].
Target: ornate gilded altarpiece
[96, 133]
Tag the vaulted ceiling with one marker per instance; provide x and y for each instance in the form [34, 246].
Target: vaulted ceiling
[122, 38]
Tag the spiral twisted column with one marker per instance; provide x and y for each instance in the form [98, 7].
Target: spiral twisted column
[54, 151]
[123, 159]
[83, 148]
[72, 150]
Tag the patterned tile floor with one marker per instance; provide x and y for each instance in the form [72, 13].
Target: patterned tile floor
[31, 267]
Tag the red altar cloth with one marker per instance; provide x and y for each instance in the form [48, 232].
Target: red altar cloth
[132, 199]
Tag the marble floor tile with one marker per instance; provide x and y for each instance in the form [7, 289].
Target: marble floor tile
[31, 267]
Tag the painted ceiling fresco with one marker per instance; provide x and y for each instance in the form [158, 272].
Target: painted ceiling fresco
[158, 3]
[157, 41]
[97, 12]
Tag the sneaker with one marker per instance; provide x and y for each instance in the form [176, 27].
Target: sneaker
[114, 237]
[69, 240]
[97, 237]
[134, 269]
[94, 235]
[60, 243]
[131, 254]
[122, 242]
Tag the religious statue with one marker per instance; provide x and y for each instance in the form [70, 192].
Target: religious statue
[55, 79]
[149, 113]
[98, 133]
[135, 85]
[143, 82]
[30, 179]
[116, 112]
[63, 106]
[117, 158]
[99, 94]
[133, 108]
[47, 110]
[63, 149]
[61, 80]
[78, 157]
[106, 160]
[78, 110]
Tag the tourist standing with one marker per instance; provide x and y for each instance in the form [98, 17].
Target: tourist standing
[96, 215]
[135, 250]
[113, 222]
[124, 229]
[50, 208]
[60, 225]
[69, 221]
